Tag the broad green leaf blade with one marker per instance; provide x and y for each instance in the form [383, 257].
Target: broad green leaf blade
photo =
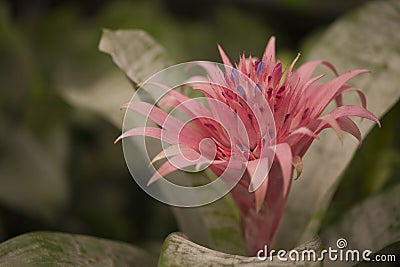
[382, 212]
[103, 97]
[67, 250]
[368, 38]
[134, 52]
[216, 225]
[178, 251]
[222, 221]
[32, 174]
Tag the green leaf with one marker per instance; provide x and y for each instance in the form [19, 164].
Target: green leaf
[382, 212]
[216, 225]
[178, 251]
[32, 173]
[59, 249]
[362, 39]
[103, 97]
[134, 52]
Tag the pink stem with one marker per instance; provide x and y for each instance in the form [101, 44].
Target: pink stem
[260, 228]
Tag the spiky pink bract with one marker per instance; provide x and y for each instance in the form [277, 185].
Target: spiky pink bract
[296, 100]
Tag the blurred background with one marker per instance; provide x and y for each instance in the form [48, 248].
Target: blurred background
[59, 168]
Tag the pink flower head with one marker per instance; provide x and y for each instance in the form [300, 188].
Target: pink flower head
[236, 122]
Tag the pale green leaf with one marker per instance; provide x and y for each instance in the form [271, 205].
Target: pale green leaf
[216, 225]
[103, 97]
[367, 38]
[178, 251]
[33, 173]
[67, 250]
[382, 214]
[134, 52]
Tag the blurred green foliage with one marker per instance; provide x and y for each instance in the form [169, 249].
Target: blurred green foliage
[55, 45]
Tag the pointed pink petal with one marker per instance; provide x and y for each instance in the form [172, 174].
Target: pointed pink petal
[178, 162]
[269, 53]
[361, 95]
[339, 100]
[329, 90]
[167, 121]
[304, 131]
[349, 126]
[331, 121]
[259, 194]
[160, 134]
[297, 103]
[142, 131]
[283, 154]
[180, 98]
[214, 73]
[168, 101]
[224, 57]
[258, 173]
[170, 151]
[290, 70]
[344, 112]
[206, 89]
[352, 110]
[154, 113]
[304, 72]
[165, 169]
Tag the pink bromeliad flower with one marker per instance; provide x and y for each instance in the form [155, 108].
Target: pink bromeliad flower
[236, 121]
